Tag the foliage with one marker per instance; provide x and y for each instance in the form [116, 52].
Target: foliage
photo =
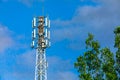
[99, 63]
[108, 63]
[117, 45]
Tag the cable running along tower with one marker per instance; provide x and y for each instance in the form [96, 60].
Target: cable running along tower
[40, 41]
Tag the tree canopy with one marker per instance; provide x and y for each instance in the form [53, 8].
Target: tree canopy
[98, 63]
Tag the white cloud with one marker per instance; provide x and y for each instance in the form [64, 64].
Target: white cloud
[9, 40]
[30, 2]
[26, 2]
[58, 64]
[67, 76]
[17, 76]
[100, 20]
[26, 59]
[13, 63]
[18, 67]
[63, 75]
[6, 40]
[60, 69]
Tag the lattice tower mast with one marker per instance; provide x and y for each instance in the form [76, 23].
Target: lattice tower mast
[40, 41]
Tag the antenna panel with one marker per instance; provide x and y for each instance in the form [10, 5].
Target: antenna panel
[49, 24]
[49, 44]
[33, 44]
[46, 42]
[46, 21]
[48, 34]
[32, 24]
[34, 33]
[34, 21]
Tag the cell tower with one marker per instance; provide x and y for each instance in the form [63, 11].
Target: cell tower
[41, 41]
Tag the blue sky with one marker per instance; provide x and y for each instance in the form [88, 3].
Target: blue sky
[71, 20]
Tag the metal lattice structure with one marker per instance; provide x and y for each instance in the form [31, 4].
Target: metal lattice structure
[40, 41]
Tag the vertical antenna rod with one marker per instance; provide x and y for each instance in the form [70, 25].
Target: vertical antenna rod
[40, 41]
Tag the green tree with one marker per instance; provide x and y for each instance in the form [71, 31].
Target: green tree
[99, 63]
[117, 45]
[88, 65]
[108, 62]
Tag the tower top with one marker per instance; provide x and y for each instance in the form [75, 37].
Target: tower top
[41, 32]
